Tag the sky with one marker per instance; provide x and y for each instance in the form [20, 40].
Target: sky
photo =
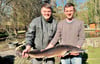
[79, 3]
[60, 3]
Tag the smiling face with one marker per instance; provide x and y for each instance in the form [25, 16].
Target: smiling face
[69, 12]
[46, 12]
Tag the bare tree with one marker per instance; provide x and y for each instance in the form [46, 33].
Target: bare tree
[21, 13]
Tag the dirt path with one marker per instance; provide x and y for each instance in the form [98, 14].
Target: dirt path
[8, 52]
[8, 56]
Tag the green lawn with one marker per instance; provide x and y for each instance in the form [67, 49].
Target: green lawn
[93, 55]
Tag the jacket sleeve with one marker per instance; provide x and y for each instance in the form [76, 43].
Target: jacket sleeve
[30, 34]
[57, 35]
[81, 35]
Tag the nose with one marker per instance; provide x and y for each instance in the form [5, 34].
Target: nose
[46, 12]
[69, 12]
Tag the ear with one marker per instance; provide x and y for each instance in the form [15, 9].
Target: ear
[64, 12]
[74, 10]
[41, 10]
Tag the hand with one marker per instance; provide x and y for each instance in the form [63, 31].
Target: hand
[78, 46]
[24, 53]
[74, 54]
[60, 56]
[49, 46]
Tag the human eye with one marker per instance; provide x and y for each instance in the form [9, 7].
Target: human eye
[66, 10]
[49, 11]
[71, 10]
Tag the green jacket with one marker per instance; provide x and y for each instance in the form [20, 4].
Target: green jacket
[40, 32]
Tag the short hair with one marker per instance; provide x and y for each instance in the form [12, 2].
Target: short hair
[46, 5]
[69, 5]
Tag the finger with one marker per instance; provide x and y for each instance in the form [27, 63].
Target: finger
[74, 54]
[42, 50]
[26, 55]
[60, 56]
[23, 53]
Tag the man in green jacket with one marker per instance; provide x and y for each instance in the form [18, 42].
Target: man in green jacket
[40, 32]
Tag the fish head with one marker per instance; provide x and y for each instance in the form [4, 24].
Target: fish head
[77, 51]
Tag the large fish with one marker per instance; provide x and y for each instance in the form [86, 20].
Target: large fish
[60, 50]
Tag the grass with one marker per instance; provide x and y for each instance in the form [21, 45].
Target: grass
[93, 55]
[94, 52]
[94, 61]
[22, 61]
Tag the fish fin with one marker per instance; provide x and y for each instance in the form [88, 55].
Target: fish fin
[67, 53]
[44, 58]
